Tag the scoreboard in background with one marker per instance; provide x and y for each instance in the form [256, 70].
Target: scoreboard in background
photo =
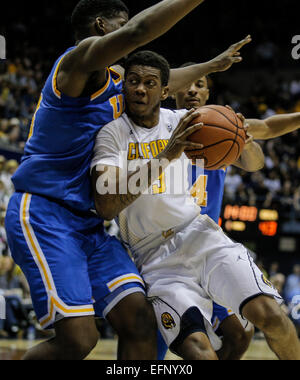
[264, 231]
[250, 220]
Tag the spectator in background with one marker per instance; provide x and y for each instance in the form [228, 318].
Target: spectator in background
[13, 136]
[278, 280]
[272, 182]
[4, 197]
[292, 295]
[232, 182]
[274, 268]
[3, 239]
[8, 171]
[12, 288]
[292, 286]
[260, 190]
[296, 201]
[286, 197]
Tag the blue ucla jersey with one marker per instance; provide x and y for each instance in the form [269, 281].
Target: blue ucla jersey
[212, 182]
[59, 149]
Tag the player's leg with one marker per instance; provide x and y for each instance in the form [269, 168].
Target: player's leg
[56, 270]
[181, 324]
[235, 339]
[119, 292]
[279, 331]
[74, 340]
[193, 342]
[235, 336]
[136, 328]
[232, 278]
[196, 347]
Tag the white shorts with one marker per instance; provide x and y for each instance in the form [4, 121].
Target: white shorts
[196, 265]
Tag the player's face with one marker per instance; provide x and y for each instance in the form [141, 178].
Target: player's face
[194, 97]
[143, 90]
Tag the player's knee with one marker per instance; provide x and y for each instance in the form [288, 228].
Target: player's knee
[79, 347]
[238, 342]
[197, 347]
[138, 323]
[142, 326]
[265, 314]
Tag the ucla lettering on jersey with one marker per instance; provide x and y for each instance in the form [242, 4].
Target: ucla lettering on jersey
[59, 150]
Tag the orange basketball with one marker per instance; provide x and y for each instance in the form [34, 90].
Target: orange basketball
[222, 135]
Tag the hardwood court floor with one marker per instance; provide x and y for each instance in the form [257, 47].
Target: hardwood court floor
[106, 350]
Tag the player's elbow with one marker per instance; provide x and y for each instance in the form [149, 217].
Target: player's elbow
[257, 167]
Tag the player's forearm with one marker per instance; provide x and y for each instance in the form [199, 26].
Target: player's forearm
[252, 158]
[128, 188]
[279, 125]
[184, 77]
[140, 30]
[274, 126]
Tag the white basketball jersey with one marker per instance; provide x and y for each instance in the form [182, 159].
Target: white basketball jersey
[168, 203]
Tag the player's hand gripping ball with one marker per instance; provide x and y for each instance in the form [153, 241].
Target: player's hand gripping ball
[223, 137]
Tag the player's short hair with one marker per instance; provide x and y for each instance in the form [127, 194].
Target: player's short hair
[149, 58]
[87, 10]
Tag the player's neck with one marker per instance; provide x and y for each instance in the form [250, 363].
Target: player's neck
[146, 121]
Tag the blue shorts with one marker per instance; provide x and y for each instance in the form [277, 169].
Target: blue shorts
[220, 313]
[72, 266]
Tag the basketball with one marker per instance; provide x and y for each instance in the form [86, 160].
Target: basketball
[222, 135]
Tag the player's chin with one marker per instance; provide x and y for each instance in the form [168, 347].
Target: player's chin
[138, 109]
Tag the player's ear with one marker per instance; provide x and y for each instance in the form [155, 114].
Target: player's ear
[208, 94]
[165, 93]
[100, 26]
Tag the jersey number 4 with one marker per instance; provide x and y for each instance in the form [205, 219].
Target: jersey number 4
[199, 192]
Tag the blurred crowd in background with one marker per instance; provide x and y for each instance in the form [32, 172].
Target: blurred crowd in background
[264, 89]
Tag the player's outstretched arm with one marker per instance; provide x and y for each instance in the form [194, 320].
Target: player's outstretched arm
[127, 188]
[184, 77]
[252, 158]
[274, 126]
[96, 53]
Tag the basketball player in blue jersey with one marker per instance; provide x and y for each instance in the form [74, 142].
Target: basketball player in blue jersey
[74, 269]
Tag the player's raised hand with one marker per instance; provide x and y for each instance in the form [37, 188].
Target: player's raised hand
[250, 138]
[178, 141]
[232, 55]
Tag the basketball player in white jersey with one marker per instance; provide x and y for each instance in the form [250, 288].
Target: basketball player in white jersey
[185, 258]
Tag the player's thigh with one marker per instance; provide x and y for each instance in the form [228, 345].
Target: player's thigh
[133, 318]
[181, 310]
[113, 277]
[231, 277]
[53, 262]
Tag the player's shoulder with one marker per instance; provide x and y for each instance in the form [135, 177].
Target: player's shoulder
[171, 116]
[172, 112]
[116, 127]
